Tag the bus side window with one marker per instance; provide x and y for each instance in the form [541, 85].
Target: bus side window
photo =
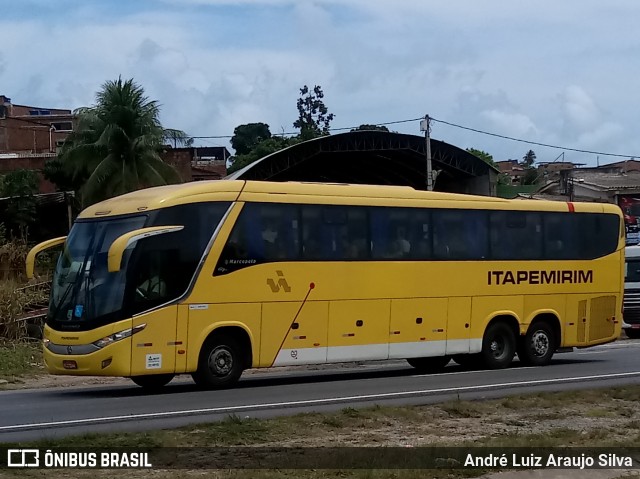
[559, 230]
[460, 234]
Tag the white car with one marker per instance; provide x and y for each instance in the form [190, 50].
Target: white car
[631, 314]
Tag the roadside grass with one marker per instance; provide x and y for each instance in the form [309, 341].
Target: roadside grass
[19, 359]
[588, 418]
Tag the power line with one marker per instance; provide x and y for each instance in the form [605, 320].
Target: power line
[535, 142]
[505, 137]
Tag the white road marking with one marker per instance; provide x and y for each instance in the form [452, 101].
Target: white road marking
[593, 352]
[308, 402]
[455, 373]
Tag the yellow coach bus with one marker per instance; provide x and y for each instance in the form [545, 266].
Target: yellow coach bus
[212, 278]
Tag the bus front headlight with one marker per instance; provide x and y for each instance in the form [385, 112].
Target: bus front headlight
[119, 336]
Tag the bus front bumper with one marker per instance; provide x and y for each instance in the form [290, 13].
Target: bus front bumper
[87, 359]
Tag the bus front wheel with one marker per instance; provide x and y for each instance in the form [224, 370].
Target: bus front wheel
[152, 381]
[498, 346]
[538, 345]
[220, 364]
[429, 365]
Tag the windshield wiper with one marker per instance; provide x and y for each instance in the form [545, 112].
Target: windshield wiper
[74, 286]
[58, 306]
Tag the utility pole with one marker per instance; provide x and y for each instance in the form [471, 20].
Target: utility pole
[425, 125]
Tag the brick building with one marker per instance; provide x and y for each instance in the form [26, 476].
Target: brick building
[32, 130]
[30, 136]
[196, 164]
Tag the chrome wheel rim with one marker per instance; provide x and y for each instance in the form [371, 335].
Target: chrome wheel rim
[221, 361]
[497, 347]
[540, 343]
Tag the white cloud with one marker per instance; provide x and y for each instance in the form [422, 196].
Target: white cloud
[545, 71]
[580, 110]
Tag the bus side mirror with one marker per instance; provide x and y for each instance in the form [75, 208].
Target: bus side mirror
[31, 256]
[116, 250]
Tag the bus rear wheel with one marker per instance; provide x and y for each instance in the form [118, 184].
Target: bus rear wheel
[429, 365]
[498, 346]
[220, 364]
[538, 345]
[152, 381]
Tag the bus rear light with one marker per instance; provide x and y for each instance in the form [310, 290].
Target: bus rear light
[69, 364]
[119, 336]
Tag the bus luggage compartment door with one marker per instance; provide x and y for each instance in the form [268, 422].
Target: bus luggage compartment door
[288, 339]
[418, 328]
[358, 330]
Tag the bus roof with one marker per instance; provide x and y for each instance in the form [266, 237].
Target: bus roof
[327, 193]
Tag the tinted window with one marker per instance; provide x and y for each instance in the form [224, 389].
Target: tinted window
[342, 233]
[163, 265]
[516, 235]
[460, 234]
[263, 233]
[280, 232]
[400, 233]
[580, 236]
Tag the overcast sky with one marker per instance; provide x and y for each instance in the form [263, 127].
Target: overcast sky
[562, 72]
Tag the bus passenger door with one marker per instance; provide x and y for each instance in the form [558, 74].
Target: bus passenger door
[286, 342]
[459, 327]
[418, 328]
[358, 330]
[153, 348]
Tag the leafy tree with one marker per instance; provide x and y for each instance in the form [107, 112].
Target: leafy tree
[54, 170]
[115, 147]
[483, 155]
[503, 179]
[247, 137]
[19, 186]
[262, 149]
[529, 159]
[313, 116]
[366, 127]
[176, 138]
[530, 176]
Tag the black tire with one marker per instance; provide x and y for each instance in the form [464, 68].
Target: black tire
[429, 365]
[632, 333]
[538, 345]
[469, 361]
[498, 346]
[220, 364]
[153, 381]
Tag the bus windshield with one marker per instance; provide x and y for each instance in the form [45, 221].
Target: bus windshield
[153, 271]
[82, 288]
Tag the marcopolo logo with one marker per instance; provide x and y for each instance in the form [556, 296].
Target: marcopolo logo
[281, 284]
[23, 458]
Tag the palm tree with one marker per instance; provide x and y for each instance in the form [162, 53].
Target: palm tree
[116, 144]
